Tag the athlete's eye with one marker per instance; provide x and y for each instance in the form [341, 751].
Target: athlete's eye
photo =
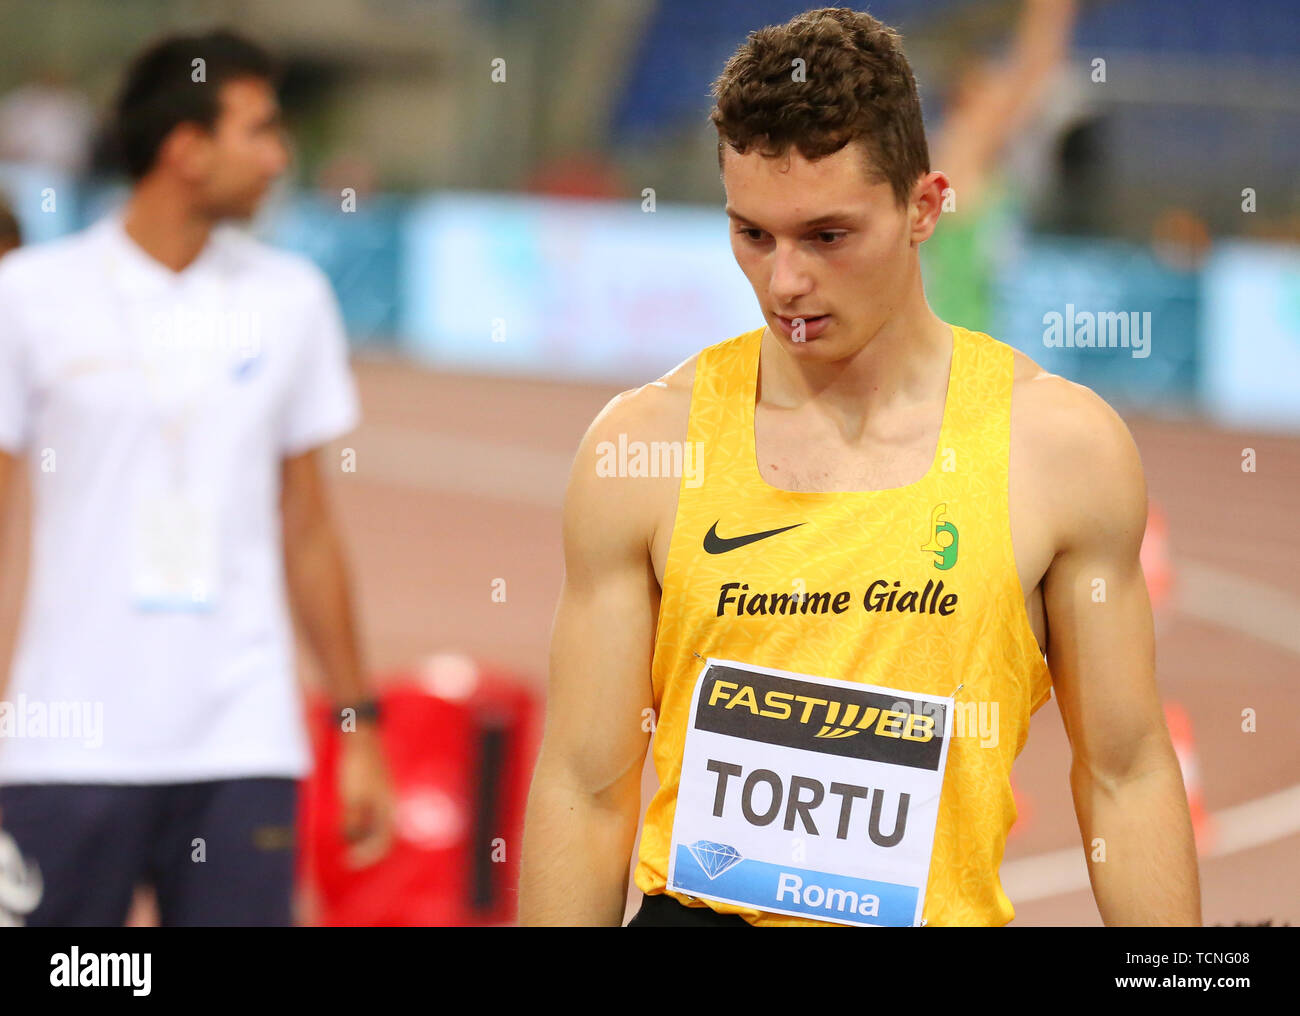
[833, 237]
[753, 234]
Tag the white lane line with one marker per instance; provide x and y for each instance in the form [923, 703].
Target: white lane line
[455, 464]
[1241, 827]
[1044, 875]
[1223, 598]
[1256, 822]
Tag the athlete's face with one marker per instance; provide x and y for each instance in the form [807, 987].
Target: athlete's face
[244, 152]
[825, 240]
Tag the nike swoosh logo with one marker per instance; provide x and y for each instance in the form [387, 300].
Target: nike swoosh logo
[715, 544]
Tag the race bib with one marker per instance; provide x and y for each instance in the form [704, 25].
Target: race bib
[175, 559]
[809, 796]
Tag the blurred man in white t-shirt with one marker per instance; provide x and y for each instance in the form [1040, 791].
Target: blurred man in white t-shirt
[169, 382]
[11, 232]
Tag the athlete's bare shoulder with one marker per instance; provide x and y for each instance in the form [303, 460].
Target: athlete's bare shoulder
[656, 411]
[666, 401]
[1026, 368]
[1075, 455]
[623, 473]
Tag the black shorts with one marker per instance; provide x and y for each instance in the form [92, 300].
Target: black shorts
[218, 852]
[662, 911]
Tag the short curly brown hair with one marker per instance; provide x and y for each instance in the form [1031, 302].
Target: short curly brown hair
[858, 86]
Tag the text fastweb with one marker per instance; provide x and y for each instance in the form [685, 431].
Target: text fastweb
[1204, 983]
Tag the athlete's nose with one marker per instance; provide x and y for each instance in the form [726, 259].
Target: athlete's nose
[790, 280]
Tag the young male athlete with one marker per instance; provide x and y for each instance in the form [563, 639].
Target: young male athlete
[889, 521]
[170, 382]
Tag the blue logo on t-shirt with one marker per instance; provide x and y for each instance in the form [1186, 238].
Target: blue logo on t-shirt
[247, 366]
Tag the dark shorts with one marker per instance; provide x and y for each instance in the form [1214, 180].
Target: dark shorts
[662, 911]
[218, 852]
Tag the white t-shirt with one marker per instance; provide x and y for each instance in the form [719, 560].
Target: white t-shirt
[148, 402]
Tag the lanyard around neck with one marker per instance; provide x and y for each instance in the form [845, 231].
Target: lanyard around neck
[175, 403]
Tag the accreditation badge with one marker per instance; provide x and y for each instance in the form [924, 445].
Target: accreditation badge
[174, 562]
[809, 796]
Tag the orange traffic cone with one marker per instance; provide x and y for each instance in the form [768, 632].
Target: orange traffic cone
[1157, 564]
[1180, 732]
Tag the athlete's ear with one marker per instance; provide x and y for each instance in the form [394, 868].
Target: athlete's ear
[928, 201]
[187, 150]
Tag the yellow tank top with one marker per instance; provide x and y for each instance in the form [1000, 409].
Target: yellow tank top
[904, 631]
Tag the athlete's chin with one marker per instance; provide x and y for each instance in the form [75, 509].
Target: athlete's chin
[834, 341]
[829, 345]
[245, 211]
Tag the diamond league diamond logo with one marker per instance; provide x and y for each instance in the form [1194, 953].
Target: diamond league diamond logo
[714, 858]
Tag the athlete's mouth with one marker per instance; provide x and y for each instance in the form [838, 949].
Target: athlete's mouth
[804, 327]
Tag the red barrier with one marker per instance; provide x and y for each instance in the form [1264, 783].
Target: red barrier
[460, 740]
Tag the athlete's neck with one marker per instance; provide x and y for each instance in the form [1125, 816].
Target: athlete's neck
[165, 225]
[905, 362]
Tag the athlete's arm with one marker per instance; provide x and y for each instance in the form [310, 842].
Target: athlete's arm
[1125, 779]
[974, 133]
[13, 414]
[6, 485]
[582, 811]
[6, 482]
[317, 576]
[317, 579]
